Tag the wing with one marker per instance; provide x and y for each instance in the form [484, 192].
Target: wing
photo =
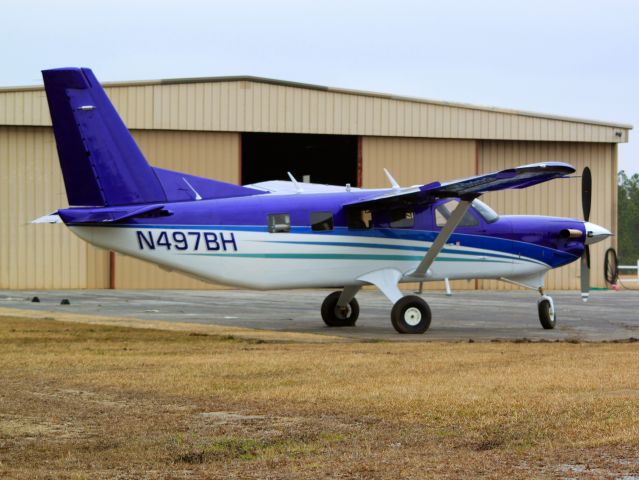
[472, 187]
[466, 190]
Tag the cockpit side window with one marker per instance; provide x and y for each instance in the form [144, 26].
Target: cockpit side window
[359, 219]
[444, 210]
[279, 222]
[401, 219]
[321, 221]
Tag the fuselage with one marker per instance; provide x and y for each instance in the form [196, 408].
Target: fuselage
[310, 240]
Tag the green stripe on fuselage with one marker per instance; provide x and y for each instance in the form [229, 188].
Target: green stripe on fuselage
[344, 256]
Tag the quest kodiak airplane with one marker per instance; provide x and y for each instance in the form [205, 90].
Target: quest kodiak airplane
[280, 235]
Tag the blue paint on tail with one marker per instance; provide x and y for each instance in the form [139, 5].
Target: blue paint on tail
[101, 163]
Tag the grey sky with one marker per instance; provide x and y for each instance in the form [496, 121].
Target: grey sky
[567, 57]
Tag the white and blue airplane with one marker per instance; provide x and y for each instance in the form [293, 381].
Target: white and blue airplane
[281, 235]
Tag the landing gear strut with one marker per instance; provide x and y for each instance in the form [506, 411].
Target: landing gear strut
[546, 308]
[336, 315]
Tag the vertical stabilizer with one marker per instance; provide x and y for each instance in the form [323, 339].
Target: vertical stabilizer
[101, 163]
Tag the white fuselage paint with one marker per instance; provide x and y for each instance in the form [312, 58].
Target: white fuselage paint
[262, 260]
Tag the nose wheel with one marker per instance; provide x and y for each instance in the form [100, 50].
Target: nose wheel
[547, 316]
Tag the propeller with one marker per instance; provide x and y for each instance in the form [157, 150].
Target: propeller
[586, 200]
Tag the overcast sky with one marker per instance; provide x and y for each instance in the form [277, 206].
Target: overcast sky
[566, 57]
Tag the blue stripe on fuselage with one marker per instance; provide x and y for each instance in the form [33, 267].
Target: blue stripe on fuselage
[516, 249]
[421, 250]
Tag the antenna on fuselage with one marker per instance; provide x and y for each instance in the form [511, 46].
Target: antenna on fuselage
[392, 181]
[298, 187]
[196, 195]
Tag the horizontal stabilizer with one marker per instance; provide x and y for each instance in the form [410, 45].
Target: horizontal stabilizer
[50, 218]
[72, 216]
[518, 177]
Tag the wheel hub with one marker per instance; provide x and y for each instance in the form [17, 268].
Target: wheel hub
[412, 316]
[343, 312]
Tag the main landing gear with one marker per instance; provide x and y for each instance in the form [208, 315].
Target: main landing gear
[341, 309]
[410, 313]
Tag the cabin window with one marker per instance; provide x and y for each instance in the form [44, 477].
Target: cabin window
[359, 219]
[445, 210]
[321, 221]
[279, 222]
[401, 219]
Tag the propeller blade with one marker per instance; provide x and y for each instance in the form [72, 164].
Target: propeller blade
[586, 192]
[585, 274]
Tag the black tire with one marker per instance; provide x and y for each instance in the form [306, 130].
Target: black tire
[547, 316]
[411, 314]
[611, 267]
[334, 316]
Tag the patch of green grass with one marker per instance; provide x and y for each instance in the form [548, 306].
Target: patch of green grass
[229, 448]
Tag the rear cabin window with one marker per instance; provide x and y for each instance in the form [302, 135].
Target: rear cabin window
[279, 222]
[401, 219]
[445, 210]
[321, 221]
[359, 219]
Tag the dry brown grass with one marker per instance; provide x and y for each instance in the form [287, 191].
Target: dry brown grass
[89, 401]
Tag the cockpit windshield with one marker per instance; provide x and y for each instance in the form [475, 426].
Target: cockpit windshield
[477, 209]
[488, 214]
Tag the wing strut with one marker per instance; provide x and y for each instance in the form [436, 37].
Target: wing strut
[441, 239]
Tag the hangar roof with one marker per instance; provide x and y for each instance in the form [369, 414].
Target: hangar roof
[254, 104]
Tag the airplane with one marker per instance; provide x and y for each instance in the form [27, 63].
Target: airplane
[285, 235]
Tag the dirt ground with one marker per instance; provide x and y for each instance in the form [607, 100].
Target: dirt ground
[93, 401]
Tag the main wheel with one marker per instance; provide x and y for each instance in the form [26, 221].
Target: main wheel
[547, 314]
[411, 314]
[335, 316]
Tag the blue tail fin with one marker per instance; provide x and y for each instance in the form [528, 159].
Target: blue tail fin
[101, 163]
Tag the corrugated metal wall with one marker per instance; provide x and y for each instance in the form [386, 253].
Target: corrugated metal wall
[415, 160]
[39, 256]
[559, 197]
[253, 106]
[418, 161]
[208, 154]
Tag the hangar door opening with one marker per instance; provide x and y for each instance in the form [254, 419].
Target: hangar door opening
[330, 159]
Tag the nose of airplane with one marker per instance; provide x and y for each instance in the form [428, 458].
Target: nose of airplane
[595, 233]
